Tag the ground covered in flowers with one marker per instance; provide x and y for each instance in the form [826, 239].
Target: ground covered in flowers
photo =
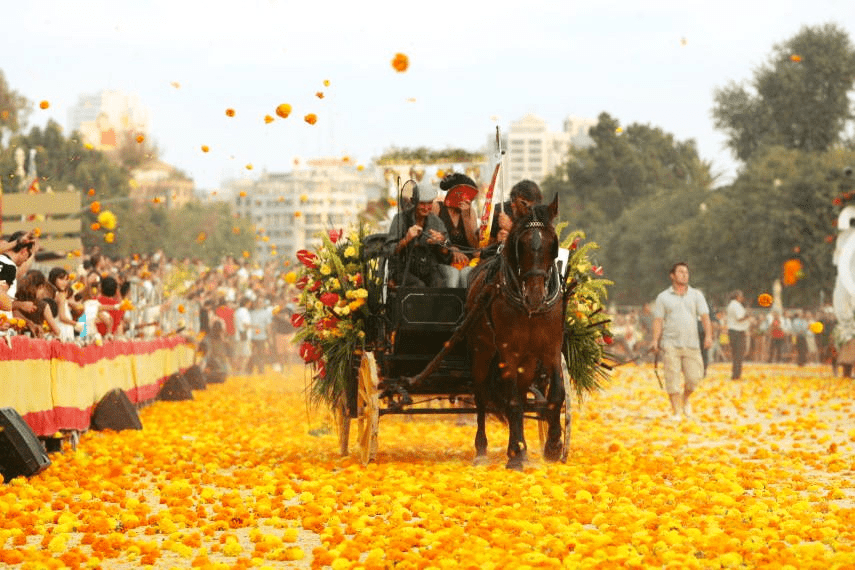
[246, 476]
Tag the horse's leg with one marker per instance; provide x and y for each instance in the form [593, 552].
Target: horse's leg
[481, 433]
[516, 440]
[554, 445]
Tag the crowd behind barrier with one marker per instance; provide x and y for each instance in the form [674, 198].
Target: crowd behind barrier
[130, 323]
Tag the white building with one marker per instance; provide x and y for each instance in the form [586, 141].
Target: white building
[104, 118]
[292, 209]
[534, 152]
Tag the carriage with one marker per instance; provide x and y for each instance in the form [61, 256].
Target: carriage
[409, 353]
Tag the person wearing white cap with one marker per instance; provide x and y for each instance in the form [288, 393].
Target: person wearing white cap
[420, 238]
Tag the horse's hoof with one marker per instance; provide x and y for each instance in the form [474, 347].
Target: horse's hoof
[515, 465]
[553, 453]
[479, 461]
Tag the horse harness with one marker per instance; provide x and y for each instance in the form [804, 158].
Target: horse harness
[512, 284]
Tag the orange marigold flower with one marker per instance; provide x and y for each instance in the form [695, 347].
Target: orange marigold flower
[319, 94]
[91, 192]
[205, 148]
[242, 194]
[95, 207]
[268, 119]
[230, 112]
[201, 237]
[795, 58]
[401, 62]
[764, 300]
[246, 254]
[140, 138]
[236, 230]
[95, 226]
[311, 118]
[181, 308]
[44, 105]
[283, 110]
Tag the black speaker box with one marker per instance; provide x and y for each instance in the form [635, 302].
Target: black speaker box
[175, 388]
[115, 411]
[21, 452]
[216, 371]
[196, 378]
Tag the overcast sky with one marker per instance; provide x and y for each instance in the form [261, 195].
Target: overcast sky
[473, 65]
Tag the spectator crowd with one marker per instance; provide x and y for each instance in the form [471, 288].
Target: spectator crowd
[240, 313]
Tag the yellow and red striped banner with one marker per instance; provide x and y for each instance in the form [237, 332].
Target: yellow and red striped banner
[54, 385]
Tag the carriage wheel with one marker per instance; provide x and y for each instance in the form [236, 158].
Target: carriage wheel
[343, 423]
[568, 409]
[368, 404]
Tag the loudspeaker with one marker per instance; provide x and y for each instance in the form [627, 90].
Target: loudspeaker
[175, 388]
[216, 371]
[196, 378]
[21, 452]
[115, 411]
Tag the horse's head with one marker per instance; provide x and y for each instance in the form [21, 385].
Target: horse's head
[530, 251]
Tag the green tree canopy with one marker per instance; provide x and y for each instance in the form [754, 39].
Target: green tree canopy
[14, 109]
[781, 207]
[622, 167]
[799, 99]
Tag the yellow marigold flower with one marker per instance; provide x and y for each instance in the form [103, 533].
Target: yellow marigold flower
[107, 219]
[290, 277]
[816, 327]
[110, 237]
[325, 269]
[355, 304]
[283, 110]
[350, 251]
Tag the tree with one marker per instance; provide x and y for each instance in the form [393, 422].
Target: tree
[781, 207]
[622, 167]
[799, 99]
[14, 109]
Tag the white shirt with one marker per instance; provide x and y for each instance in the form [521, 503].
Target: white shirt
[736, 311]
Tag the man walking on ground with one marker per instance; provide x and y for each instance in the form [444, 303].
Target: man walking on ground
[738, 323]
[675, 316]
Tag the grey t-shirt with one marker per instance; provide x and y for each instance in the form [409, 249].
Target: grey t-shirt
[680, 314]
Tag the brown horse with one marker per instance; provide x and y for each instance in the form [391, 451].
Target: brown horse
[515, 341]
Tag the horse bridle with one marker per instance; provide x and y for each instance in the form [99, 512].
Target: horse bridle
[515, 289]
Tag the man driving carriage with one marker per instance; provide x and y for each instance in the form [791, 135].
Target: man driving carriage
[420, 242]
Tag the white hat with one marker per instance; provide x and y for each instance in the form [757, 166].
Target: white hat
[426, 192]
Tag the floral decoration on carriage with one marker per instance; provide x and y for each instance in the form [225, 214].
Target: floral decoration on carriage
[333, 296]
[334, 282]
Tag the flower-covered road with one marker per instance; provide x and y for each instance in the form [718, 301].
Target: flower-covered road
[245, 475]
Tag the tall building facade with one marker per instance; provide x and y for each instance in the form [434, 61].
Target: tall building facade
[104, 118]
[293, 209]
[534, 152]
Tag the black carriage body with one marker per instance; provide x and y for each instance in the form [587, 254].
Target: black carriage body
[407, 328]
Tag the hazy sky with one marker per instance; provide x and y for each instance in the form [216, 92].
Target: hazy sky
[473, 65]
